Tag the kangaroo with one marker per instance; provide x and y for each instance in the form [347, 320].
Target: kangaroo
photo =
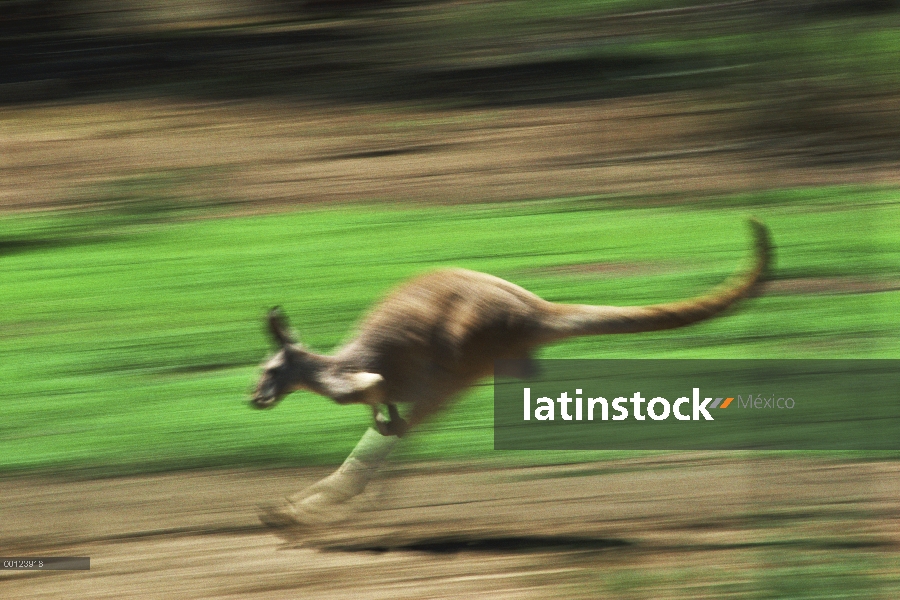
[441, 332]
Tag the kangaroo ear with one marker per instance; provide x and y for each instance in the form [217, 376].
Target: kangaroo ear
[278, 328]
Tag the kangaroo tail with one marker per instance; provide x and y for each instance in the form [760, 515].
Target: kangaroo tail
[568, 320]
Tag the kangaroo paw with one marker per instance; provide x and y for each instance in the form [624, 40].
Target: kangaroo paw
[279, 517]
[396, 426]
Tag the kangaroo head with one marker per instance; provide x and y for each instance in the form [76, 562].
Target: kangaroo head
[291, 368]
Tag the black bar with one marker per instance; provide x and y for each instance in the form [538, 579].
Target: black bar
[44, 563]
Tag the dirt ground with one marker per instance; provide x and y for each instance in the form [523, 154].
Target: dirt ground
[680, 526]
[269, 155]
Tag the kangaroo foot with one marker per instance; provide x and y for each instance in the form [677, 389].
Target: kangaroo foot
[395, 426]
[279, 516]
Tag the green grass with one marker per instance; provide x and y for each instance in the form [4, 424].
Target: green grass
[757, 53]
[767, 574]
[131, 345]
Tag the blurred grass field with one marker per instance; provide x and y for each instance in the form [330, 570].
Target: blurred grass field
[172, 170]
[130, 340]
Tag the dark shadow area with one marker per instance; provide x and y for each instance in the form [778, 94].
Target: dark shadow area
[12, 246]
[384, 152]
[366, 51]
[18, 246]
[850, 7]
[544, 81]
[190, 63]
[533, 544]
[338, 62]
[499, 544]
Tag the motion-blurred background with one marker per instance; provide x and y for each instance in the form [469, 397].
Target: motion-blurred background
[171, 169]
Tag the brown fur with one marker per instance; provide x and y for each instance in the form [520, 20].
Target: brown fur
[439, 333]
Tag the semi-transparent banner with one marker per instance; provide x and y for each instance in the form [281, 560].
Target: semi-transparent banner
[697, 405]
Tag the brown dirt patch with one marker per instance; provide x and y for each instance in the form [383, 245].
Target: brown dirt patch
[267, 155]
[458, 531]
[611, 268]
[830, 285]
